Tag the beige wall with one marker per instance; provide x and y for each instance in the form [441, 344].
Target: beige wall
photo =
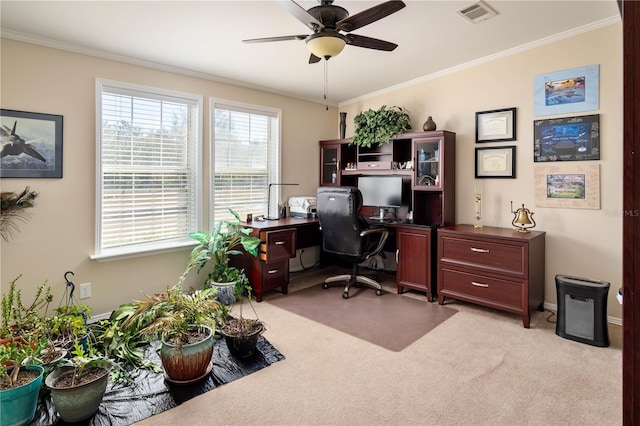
[585, 243]
[60, 234]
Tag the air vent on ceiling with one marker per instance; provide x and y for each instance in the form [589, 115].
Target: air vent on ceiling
[477, 12]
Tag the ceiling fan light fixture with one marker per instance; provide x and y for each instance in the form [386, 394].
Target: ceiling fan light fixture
[326, 45]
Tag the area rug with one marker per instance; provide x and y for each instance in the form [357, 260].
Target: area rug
[391, 321]
[151, 394]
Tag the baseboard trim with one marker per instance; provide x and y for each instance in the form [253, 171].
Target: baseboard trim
[100, 317]
[610, 319]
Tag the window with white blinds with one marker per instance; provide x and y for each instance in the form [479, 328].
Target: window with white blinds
[148, 168]
[245, 159]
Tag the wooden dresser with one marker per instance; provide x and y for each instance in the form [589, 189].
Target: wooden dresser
[496, 267]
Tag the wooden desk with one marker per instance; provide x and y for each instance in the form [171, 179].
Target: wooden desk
[279, 241]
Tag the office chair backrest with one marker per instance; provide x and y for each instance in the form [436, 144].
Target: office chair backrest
[340, 221]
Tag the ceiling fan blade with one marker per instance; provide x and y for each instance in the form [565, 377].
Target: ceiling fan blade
[301, 14]
[281, 38]
[313, 59]
[369, 43]
[370, 15]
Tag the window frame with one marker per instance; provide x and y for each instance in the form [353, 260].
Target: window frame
[277, 174]
[151, 247]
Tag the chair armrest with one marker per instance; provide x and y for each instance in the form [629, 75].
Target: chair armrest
[383, 238]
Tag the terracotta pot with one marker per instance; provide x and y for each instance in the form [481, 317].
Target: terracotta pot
[187, 363]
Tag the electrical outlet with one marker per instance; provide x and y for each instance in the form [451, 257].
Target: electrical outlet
[85, 291]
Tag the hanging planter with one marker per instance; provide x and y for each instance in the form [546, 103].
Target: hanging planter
[241, 336]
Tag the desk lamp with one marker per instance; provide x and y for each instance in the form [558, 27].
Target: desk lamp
[269, 199]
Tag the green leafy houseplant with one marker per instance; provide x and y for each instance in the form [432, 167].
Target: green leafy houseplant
[171, 314]
[377, 127]
[20, 382]
[18, 319]
[67, 324]
[185, 323]
[228, 238]
[13, 354]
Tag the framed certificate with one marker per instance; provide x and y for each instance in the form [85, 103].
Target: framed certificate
[498, 125]
[496, 162]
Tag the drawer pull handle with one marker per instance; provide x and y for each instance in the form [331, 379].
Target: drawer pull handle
[273, 271]
[479, 284]
[477, 250]
[279, 243]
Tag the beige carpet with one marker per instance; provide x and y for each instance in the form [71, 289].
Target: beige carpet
[480, 367]
[390, 321]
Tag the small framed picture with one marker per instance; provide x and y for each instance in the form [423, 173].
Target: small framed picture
[498, 125]
[31, 145]
[496, 162]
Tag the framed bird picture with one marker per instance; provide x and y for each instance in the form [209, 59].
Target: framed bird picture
[31, 144]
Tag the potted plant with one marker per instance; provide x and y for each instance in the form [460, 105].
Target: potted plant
[227, 239]
[185, 323]
[377, 127]
[241, 334]
[20, 382]
[79, 383]
[67, 324]
[21, 322]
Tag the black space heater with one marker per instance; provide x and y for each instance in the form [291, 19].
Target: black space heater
[582, 310]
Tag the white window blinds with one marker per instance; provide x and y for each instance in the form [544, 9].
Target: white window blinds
[246, 159]
[148, 149]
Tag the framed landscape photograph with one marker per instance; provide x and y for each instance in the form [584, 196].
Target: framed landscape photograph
[496, 162]
[567, 139]
[567, 91]
[31, 145]
[496, 126]
[568, 185]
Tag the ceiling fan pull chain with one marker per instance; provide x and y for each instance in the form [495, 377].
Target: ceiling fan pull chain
[326, 84]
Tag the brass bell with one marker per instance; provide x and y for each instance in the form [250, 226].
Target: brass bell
[522, 219]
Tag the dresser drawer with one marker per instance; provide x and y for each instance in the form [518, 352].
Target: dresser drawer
[277, 245]
[492, 256]
[489, 291]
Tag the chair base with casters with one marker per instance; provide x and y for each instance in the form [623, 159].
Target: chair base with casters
[346, 233]
[353, 280]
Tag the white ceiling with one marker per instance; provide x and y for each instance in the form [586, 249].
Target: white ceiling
[203, 38]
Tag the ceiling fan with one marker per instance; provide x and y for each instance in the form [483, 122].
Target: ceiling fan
[328, 22]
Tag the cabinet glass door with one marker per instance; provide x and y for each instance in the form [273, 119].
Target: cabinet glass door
[330, 162]
[427, 156]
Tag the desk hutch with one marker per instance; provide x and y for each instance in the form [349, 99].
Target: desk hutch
[426, 162]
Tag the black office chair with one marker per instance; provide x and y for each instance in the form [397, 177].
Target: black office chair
[346, 233]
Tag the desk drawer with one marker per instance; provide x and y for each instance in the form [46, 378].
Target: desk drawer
[489, 291]
[491, 256]
[277, 245]
[275, 274]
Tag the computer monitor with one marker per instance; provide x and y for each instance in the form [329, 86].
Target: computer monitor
[381, 191]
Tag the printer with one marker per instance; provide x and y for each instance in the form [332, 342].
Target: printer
[302, 206]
